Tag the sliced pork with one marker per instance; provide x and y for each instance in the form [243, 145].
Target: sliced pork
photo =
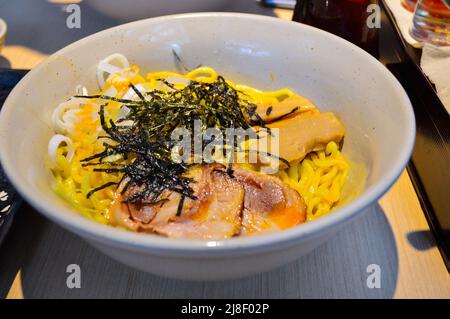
[304, 133]
[242, 204]
[288, 107]
[215, 214]
[217, 217]
[269, 204]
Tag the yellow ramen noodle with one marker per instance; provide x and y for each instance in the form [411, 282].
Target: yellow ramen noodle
[319, 178]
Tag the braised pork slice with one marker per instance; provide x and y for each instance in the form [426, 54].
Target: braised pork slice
[304, 133]
[215, 214]
[269, 204]
[289, 106]
[244, 203]
[143, 217]
[218, 216]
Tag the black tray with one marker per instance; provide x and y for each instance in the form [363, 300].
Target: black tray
[429, 168]
[9, 199]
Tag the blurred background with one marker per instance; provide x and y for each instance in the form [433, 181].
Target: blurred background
[38, 28]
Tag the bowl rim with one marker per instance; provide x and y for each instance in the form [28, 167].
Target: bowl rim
[120, 238]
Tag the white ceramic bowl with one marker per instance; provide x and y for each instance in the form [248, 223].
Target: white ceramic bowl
[140, 9]
[335, 74]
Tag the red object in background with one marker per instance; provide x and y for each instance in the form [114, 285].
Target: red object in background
[434, 5]
[437, 7]
[431, 22]
[409, 4]
[345, 18]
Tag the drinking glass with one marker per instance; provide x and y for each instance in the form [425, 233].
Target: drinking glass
[409, 4]
[431, 22]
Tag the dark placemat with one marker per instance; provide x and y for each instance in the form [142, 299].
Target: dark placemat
[429, 166]
[9, 199]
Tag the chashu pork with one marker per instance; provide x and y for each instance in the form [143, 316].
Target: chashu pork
[218, 215]
[242, 204]
[269, 204]
[215, 214]
[290, 106]
[302, 134]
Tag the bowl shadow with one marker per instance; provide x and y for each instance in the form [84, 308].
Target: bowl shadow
[337, 269]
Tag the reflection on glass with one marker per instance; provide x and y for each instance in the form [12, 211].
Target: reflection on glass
[409, 4]
[431, 22]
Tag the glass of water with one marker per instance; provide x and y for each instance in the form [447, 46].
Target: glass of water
[431, 22]
[409, 4]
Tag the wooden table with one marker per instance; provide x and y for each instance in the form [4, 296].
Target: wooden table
[393, 233]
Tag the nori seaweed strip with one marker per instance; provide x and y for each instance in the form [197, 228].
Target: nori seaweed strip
[137, 92]
[103, 163]
[100, 188]
[285, 161]
[170, 85]
[111, 98]
[148, 140]
[295, 109]
[181, 62]
[109, 170]
[180, 205]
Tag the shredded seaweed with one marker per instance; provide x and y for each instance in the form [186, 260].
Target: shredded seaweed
[145, 146]
[279, 118]
[181, 63]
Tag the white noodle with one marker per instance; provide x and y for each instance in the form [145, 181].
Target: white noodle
[54, 144]
[123, 112]
[63, 116]
[106, 66]
[131, 95]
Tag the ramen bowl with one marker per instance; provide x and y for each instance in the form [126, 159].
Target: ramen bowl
[332, 72]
